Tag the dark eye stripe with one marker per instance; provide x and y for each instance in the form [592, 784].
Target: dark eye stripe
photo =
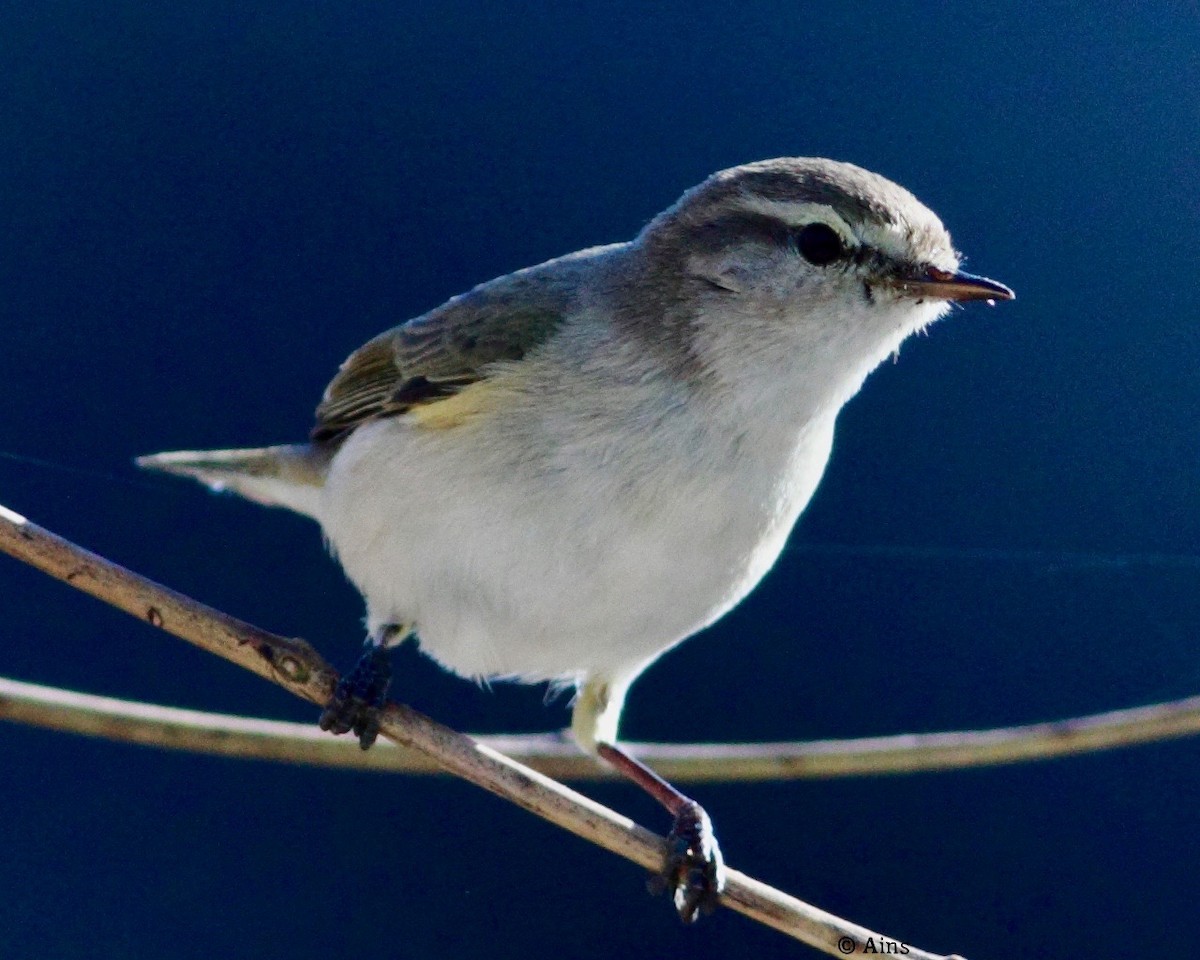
[739, 227]
[714, 235]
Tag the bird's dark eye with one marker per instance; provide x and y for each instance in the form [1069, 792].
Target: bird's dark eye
[819, 244]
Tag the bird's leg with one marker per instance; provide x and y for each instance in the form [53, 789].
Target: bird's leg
[362, 692]
[694, 872]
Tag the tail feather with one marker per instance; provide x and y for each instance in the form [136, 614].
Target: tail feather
[288, 476]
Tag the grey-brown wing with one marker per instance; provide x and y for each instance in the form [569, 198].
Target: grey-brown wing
[435, 356]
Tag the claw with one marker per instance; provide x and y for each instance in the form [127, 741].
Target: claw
[695, 870]
[359, 696]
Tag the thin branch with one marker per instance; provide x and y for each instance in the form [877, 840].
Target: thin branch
[555, 756]
[296, 667]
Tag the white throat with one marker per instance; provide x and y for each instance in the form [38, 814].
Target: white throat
[806, 370]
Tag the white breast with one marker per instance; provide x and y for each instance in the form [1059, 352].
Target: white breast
[594, 518]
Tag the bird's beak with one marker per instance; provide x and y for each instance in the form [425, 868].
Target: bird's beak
[936, 284]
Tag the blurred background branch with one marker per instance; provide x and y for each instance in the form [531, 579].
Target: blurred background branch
[556, 756]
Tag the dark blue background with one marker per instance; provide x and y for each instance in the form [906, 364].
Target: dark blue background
[207, 206]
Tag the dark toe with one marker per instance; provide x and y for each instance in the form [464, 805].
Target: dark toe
[359, 697]
[695, 869]
[366, 726]
[335, 719]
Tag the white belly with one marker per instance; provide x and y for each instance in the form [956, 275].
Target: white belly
[557, 554]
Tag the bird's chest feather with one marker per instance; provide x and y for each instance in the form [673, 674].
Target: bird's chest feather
[700, 515]
[564, 540]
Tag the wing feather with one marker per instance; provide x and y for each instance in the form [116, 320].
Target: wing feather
[434, 356]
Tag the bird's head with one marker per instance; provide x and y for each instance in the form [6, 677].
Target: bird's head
[808, 260]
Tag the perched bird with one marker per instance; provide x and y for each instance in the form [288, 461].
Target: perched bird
[566, 471]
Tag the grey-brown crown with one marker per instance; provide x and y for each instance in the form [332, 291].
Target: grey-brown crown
[858, 196]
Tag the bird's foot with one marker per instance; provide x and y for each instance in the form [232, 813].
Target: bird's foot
[359, 697]
[695, 870]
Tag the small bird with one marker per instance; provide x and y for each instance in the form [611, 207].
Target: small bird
[568, 470]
